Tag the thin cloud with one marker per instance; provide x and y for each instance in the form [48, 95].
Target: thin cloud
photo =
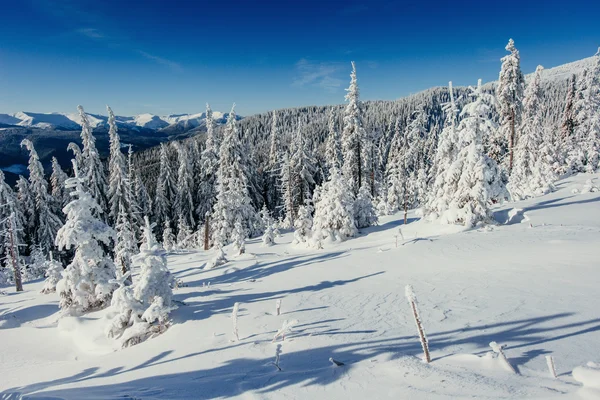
[162, 61]
[91, 33]
[319, 74]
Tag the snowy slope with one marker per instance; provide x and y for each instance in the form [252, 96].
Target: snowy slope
[530, 282]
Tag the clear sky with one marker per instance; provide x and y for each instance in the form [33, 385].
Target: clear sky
[148, 56]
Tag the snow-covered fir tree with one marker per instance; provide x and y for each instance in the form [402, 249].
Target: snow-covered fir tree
[26, 205]
[272, 189]
[168, 236]
[567, 128]
[287, 192]
[142, 203]
[531, 175]
[268, 238]
[233, 201]
[365, 213]
[209, 167]
[510, 92]
[333, 149]
[77, 155]
[334, 209]
[184, 203]
[126, 244]
[165, 188]
[53, 272]
[12, 255]
[57, 184]
[353, 137]
[118, 184]
[590, 133]
[444, 185]
[9, 205]
[479, 182]
[92, 169]
[238, 236]
[86, 283]
[35, 265]
[303, 224]
[184, 233]
[302, 168]
[46, 223]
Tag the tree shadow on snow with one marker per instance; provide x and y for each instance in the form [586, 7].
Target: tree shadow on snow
[308, 367]
[28, 314]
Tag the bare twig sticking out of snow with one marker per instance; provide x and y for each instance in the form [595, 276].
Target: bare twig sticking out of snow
[335, 362]
[234, 315]
[285, 328]
[412, 300]
[399, 234]
[551, 367]
[278, 307]
[498, 350]
[277, 354]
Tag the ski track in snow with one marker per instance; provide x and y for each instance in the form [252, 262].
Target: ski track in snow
[529, 283]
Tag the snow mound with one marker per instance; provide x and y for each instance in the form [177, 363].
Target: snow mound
[588, 375]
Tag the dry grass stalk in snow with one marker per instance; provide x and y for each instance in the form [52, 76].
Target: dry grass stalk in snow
[551, 367]
[412, 300]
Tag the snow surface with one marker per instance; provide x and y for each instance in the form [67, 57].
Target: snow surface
[530, 283]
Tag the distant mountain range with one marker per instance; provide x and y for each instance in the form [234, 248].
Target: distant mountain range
[72, 121]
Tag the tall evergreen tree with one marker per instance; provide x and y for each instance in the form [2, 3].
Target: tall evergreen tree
[530, 171]
[233, 201]
[274, 167]
[77, 155]
[353, 136]
[333, 149]
[46, 223]
[118, 185]
[302, 166]
[210, 165]
[510, 91]
[184, 203]
[26, 204]
[57, 183]
[591, 135]
[92, 169]
[165, 189]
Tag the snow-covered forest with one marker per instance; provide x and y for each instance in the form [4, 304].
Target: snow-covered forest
[113, 236]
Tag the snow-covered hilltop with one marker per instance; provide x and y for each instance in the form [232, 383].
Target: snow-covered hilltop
[72, 121]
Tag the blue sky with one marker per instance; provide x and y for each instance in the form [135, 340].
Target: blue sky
[172, 57]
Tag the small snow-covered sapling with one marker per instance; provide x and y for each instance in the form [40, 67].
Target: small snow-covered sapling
[551, 367]
[498, 349]
[277, 354]
[285, 328]
[278, 307]
[234, 315]
[412, 300]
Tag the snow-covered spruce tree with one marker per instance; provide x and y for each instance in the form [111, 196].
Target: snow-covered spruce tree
[126, 244]
[567, 128]
[12, 256]
[77, 155]
[233, 201]
[287, 192]
[46, 223]
[142, 202]
[86, 281]
[303, 224]
[353, 137]
[530, 176]
[169, 243]
[268, 237]
[118, 184]
[184, 203]
[302, 167]
[576, 156]
[9, 204]
[509, 92]
[334, 209]
[26, 205]
[444, 186]
[54, 270]
[92, 169]
[184, 234]
[209, 159]
[333, 147]
[272, 189]
[365, 213]
[35, 266]
[165, 188]
[57, 183]
[142, 311]
[479, 181]
[591, 136]
[238, 236]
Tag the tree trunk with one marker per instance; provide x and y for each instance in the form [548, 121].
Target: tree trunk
[14, 254]
[511, 143]
[206, 230]
[421, 332]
